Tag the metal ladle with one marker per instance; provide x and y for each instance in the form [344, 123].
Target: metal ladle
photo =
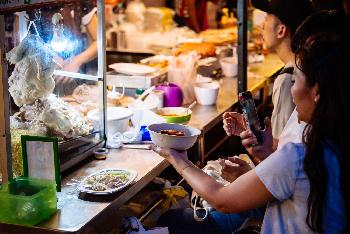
[189, 107]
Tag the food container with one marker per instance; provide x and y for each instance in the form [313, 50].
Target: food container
[27, 201]
[173, 95]
[175, 114]
[229, 66]
[117, 119]
[207, 93]
[173, 142]
[139, 107]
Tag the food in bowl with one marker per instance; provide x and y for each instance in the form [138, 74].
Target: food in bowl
[175, 114]
[171, 141]
[172, 132]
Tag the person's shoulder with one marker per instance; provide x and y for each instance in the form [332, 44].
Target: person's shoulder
[291, 152]
[291, 146]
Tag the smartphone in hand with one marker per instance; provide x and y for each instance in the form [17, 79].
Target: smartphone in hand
[251, 117]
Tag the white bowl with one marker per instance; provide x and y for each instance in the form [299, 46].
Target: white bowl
[173, 142]
[207, 93]
[138, 108]
[117, 119]
[229, 66]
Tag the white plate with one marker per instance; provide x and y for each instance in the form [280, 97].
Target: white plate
[83, 188]
[132, 68]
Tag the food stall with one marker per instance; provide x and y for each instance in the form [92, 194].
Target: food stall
[88, 212]
[36, 99]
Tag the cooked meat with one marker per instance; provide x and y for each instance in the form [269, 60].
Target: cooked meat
[34, 66]
[172, 132]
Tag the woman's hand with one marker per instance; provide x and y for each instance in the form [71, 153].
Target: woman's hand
[230, 173]
[234, 123]
[250, 142]
[72, 64]
[178, 159]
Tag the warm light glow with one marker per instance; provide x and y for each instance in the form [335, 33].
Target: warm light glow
[59, 42]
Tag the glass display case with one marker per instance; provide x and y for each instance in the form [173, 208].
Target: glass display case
[53, 75]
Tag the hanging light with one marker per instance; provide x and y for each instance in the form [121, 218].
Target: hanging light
[58, 42]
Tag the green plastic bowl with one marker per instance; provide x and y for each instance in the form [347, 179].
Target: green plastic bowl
[175, 114]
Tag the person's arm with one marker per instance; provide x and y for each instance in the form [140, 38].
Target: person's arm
[191, 6]
[230, 173]
[245, 193]
[87, 55]
[91, 52]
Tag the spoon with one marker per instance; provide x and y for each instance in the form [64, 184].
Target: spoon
[189, 107]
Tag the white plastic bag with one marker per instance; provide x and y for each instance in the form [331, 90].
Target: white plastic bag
[213, 169]
[182, 71]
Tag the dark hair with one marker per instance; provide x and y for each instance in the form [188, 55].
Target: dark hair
[322, 47]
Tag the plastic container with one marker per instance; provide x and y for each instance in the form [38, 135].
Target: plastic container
[207, 93]
[173, 95]
[27, 201]
[117, 119]
[229, 66]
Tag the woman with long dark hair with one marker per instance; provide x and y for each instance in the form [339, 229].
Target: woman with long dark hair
[325, 136]
[305, 185]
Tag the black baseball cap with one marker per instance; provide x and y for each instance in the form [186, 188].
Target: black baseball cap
[291, 12]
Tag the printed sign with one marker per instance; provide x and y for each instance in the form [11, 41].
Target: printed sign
[40, 158]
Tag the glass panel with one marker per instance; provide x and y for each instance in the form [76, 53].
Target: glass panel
[71, 31]
[52, 70]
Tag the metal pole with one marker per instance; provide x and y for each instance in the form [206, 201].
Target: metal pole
[242, 45]
[101, 53]
[5, 151]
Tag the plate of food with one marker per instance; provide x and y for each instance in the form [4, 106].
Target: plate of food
[107, 181]
[132, 68]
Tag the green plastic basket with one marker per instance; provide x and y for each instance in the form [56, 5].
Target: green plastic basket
[27, 201]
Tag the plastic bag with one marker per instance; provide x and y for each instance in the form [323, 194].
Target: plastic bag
[182, 71]
[213, 169]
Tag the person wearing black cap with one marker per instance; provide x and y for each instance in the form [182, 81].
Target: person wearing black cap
[282, 19]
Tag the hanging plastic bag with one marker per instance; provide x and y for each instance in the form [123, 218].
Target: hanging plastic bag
[182, 71]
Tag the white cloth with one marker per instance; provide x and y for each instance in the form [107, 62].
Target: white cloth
[282, 100]
[292, 131]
